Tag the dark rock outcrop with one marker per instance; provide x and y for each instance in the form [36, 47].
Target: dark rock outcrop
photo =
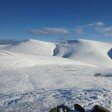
[79, 108]
[110, 53]
[98, 108]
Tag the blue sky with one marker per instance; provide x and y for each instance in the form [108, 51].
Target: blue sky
[51, 20]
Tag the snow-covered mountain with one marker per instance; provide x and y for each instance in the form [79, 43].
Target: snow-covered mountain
[37, 75]
[33, 47]
[91, 52]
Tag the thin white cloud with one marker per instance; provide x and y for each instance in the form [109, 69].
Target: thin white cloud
[78, 30]
[106, 30]
[49, 31]
[97, 28]
[99, 23]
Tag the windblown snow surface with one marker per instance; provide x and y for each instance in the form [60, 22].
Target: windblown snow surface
[36, 76]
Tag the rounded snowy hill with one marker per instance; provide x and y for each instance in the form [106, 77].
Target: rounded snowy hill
[33, 47]
[31, 53]
[91, 52]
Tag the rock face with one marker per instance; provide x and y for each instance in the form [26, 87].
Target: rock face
[98, 108]
[79, 108]
[110, 53]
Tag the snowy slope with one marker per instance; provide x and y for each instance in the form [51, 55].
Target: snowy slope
[33, 47]
[36, 76]
[40, 88]
[19, 60]
[92, 52]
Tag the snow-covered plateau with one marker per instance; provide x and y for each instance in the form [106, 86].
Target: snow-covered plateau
[36, 76]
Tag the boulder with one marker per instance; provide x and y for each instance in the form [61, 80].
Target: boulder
[98, 108]
[79, 108]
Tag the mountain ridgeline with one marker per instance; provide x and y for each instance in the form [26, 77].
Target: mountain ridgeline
[91, 52]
